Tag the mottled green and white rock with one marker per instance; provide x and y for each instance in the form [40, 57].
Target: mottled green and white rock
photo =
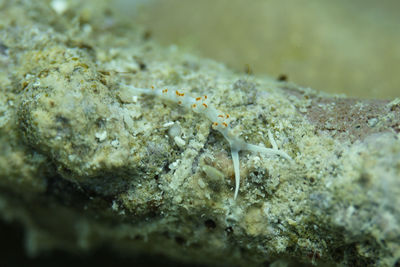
[82, 164]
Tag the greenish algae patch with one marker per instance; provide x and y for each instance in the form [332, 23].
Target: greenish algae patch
[142, 175]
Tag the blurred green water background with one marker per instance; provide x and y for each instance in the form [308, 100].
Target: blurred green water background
[350, 47]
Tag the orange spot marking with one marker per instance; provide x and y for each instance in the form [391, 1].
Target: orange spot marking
[179, 94]
[215, 124]
[227, 115]
[198, 98]
[224, 123]
[205, 97]
[205, 105]
[221, 116]
[152, 87]
[194, 105]
[179, 102]
[165, 91]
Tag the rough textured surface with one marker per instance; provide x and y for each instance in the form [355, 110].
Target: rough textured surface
[84, 165]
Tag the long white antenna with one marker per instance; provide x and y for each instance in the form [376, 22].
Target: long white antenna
[220, 122]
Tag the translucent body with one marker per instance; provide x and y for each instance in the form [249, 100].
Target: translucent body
[220, 122]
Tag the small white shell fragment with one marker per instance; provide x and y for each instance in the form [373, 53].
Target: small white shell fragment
[59, 6]
[128, 121]
[167, 124]
[177, 199]
[115, 206]
[179, 141]
[174, 164]
[201, 183]
[101, 136]
[175, 130]
[115, 143]
[125, 97]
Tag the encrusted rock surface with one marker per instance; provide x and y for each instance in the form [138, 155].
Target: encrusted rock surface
[85, 165]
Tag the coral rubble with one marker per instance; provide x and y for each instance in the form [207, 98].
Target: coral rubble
[83, 165]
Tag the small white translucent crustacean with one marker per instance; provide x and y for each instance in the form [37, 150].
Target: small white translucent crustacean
[220, 122]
